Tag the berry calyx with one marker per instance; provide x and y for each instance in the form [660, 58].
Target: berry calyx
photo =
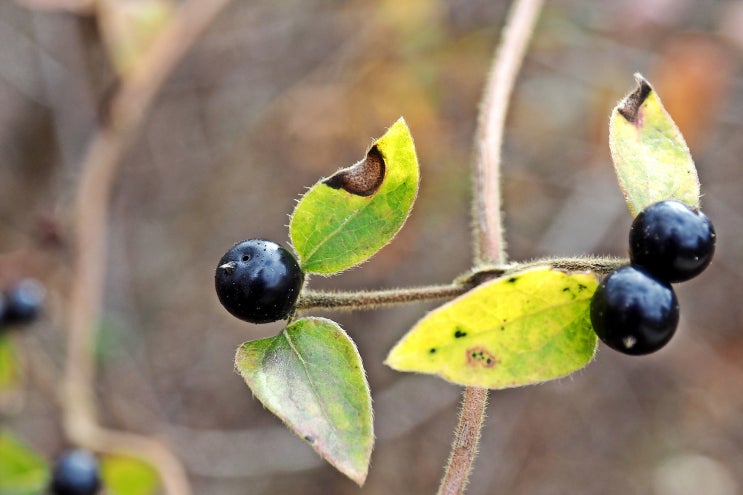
[258, 281]
[672, 241]
[634, 313]
[24, 301]
[76, 473]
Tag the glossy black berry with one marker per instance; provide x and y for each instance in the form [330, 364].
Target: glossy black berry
[24, 301]
[76, 473]
[633, 312]
[672, 241]
[258, 281]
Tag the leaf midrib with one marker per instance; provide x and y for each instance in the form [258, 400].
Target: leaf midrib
[315, 392]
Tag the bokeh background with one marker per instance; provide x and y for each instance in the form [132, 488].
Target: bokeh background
[279, 94]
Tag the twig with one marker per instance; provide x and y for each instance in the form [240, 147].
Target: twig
[371, 299]
[489, 239]
[488, 236]
[128, 109]
[368, 299]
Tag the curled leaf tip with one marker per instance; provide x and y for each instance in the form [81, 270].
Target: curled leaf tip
[629, 108]
[344, 220]
[650, 156]
[363, 178]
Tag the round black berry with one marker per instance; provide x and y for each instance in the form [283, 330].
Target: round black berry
[258, 281]
[633, 312]
[24, 301]
[672, 241]
[76, 473]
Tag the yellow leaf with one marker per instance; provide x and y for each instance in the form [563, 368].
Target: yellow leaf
[515, 330]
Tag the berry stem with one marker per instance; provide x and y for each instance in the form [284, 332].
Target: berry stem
[364, 300]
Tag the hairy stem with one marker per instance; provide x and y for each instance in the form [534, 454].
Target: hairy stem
[489, 238]
[99, 170]
[489, 235]
[364, 299]
[378, 298]
[597, 264]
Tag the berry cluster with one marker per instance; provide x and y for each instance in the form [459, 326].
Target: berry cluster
[258, 281]
[634, 309]
[21, 302]
[76, 472]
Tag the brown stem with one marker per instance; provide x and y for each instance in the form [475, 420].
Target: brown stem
[489, 238]
[363, 300]
[101, 163]
[378, 298]
[598, 264]
[466, 441]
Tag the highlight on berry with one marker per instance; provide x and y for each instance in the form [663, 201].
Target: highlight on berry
[76, 472]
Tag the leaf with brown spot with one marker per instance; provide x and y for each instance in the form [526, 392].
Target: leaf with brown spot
[650, 156]
[345, 219]
[508, 332]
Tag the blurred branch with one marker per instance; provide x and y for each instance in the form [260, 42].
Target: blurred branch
[489, 238]
[128, 109]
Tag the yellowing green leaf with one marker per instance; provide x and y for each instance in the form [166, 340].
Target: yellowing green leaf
[511, 331]
[9, 373]
[22, 471]
[128, 476]
[346, 218]
[311, 376]
[651, 158]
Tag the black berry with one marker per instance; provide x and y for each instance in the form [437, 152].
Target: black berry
[24, 301]
[76, 473]
[633, 312]
[258, 281]
[672, 241]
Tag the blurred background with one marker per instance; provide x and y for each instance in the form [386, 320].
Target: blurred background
[279, 94]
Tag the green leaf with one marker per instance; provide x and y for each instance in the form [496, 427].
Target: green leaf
[650, 156]
[124, 475]
[511, 331]
[346, 218]
[310, 375]
[9, 373]
[22, 471]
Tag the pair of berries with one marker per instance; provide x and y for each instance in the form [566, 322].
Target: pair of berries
[22, 302]
[258, 281]
[76, 472]
[635, 309]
